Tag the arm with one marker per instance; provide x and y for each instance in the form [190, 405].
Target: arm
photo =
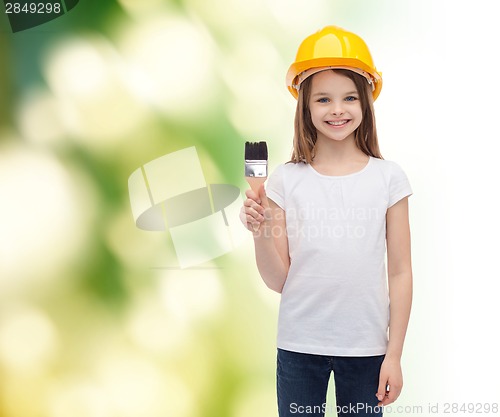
[400, 295]
[270, 240]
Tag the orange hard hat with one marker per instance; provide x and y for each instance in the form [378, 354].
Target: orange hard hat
[333, 48]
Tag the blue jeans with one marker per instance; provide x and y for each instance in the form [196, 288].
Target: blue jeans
[302, 382]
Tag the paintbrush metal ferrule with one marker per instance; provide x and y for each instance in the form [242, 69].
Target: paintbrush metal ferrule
[255, 168]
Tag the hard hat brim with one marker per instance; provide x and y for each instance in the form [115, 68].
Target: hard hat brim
[301, 66]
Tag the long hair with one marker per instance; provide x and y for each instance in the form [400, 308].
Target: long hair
[365, 136]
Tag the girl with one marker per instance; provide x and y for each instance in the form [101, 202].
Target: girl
[321, 228]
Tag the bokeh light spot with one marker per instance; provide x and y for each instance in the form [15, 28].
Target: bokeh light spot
[172, 58]
[28, 339]
[192, 294]
[42, 220]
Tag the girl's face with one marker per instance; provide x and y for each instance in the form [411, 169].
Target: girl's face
[335, 106]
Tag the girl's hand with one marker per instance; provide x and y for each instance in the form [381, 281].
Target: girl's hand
[392, 376]
[255, 212]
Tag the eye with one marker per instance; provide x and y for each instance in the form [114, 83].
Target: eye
[351, 98]
[323, 100]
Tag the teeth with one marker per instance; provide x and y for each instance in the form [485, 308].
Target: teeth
[338, 123]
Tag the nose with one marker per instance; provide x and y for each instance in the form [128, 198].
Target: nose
[337, 108]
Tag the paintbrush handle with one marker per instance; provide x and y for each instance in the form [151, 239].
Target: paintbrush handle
[255, 183]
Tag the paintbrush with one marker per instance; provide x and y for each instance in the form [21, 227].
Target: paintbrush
[255, 166]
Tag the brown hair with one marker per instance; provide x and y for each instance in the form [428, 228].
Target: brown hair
[305, 136]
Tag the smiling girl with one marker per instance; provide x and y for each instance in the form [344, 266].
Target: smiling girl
[340, 310]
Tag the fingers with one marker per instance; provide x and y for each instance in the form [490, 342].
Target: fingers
[392, 395]
[253, 224]
[247, 220]
[253, 212]
[252, 208]
[382, 389]
[252, 195]
[388, 395]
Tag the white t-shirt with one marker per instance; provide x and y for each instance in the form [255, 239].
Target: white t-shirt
[335, 299]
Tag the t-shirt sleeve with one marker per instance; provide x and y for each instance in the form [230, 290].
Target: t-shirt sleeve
[274, 187]
[399, 186]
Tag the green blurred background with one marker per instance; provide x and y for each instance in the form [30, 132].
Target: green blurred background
[96, 317]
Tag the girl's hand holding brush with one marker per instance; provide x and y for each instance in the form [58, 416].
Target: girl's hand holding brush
[256, 213]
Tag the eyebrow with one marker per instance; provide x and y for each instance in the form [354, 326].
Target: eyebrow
[326, 94]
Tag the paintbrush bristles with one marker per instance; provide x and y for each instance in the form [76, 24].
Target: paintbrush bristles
[255, 151]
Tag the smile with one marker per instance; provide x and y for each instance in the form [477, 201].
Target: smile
[338, 123]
